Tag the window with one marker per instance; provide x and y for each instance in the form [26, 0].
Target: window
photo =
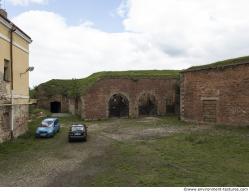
[7, 71]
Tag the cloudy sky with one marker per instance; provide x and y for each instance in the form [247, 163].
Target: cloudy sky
[72, 39]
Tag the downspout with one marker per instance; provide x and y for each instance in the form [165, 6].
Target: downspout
[13, 29]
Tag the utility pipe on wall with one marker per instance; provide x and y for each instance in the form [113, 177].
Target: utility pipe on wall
[13, 29]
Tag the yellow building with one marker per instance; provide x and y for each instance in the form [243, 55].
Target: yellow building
[14, 79]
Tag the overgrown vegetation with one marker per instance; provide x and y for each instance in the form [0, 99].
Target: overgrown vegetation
[76, 87]
[221, 64]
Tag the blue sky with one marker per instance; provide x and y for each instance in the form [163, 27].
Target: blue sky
[101, 12]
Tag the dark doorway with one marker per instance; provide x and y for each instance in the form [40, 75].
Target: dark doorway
[118, 106]
[147, 105]
[170, 106]
[55, 107]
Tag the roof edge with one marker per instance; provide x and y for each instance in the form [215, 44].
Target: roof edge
[9, 24]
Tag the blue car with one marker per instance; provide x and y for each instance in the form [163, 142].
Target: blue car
[48, 128]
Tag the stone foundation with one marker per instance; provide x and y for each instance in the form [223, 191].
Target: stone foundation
[21, 116]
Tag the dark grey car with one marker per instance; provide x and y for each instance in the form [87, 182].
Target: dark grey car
[77, 132]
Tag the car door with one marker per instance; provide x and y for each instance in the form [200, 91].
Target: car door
[56, 125]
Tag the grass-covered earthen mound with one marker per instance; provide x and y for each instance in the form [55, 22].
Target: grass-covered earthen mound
[221, 64]
[76, 87]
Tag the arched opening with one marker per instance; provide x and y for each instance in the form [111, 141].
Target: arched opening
[147, 105]
[55, 107]
[118, 106]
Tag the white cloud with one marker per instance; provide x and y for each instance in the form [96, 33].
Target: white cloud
[27, 2]
[159, 34]
[123, 8]
[205, 30]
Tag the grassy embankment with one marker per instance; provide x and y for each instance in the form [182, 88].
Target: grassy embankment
[76, 87]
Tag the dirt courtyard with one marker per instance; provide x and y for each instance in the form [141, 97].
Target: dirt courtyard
[127, 152]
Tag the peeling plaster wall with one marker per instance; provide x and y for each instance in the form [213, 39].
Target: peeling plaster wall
[21, 115]
[20, 63]
[5, 112]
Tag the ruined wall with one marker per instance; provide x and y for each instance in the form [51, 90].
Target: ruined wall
[5, 111]
[75, 105]
[5, 120]
[72, 106]
[216, 95]
[96, 100]
[21, 115]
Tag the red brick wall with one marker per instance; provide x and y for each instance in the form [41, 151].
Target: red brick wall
[96, 100]
[225, 89]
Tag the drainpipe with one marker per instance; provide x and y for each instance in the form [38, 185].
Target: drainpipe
[13, 29]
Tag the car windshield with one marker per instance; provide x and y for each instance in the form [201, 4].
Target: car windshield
[46, 123]
[77, 128]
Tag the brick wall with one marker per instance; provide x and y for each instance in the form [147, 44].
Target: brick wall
[21, 117]
[216, 95]
[96, 101]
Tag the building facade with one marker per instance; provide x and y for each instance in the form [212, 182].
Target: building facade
[119, 97]
[216, 93]
[14, 79]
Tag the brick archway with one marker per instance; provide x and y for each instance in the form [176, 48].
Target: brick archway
[118, 106]
[147, 105]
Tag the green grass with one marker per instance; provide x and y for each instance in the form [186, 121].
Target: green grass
[221, 64]
[218, 158]
[76, 87]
